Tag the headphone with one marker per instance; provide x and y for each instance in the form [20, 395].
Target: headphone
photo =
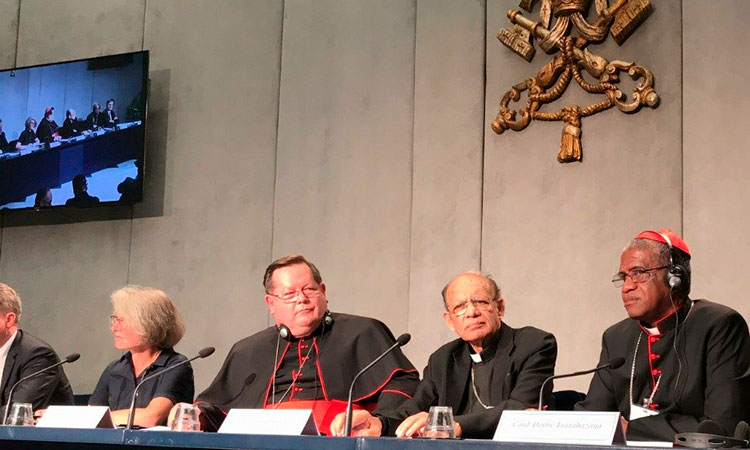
[676, 277]
[286, 333]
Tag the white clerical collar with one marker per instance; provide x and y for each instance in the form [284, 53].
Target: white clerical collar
[6, 347]
[4, 350]
[653, 331]
[476, 357]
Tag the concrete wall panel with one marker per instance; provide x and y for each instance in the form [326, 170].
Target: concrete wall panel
[447, 176]
[9, 27]
[715, 148]
[343, 177]
[79, 29]
[552, 233]
[213, 141]
[67, 270]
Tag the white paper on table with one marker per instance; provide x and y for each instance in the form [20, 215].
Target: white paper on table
[58, 416]
[560, 427]
[286, 422]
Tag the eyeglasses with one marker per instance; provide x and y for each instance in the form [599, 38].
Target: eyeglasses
[114, 319]
[479, 303]
[637, 275]
[308, 292]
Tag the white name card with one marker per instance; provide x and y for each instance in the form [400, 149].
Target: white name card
[76, 417]
[287, 422]
[560, 427]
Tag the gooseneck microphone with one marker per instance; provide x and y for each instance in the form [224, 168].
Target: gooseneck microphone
[208, 351]
[401, 341]
[613, 363]
[68, 359]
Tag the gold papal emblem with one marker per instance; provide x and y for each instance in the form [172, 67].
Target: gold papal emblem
[620, 20]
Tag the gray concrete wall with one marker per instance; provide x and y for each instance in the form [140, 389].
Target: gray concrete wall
[357, 133]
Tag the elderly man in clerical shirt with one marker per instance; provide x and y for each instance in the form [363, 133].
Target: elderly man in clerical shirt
[491, 367]
[686, 360]
[309, 358]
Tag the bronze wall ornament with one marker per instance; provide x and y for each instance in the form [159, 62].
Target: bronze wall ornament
[620, 20]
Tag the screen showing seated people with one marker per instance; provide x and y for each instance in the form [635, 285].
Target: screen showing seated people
[72, 133]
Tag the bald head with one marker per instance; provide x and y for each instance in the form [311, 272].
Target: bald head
[490, 286]
[474, 308]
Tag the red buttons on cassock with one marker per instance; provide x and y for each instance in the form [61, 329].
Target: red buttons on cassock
[654, 356]
[653, 339]
[656, 372]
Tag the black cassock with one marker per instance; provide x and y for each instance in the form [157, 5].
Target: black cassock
[334, 354]
[692, 368]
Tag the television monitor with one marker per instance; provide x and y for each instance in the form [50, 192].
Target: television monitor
[72, 134]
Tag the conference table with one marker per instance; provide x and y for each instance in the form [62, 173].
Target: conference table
[24, 172]
[84, 439]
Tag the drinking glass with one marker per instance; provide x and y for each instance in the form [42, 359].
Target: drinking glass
[186, 418]
[440, 423]
[21, 414]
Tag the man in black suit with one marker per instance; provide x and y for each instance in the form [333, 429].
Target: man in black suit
[22, 354]
[93, 120]
[109, 117]
[81, 197]
[490, 368]
[72, 126]
[687, 361]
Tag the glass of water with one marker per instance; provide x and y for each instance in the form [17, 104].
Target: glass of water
[186, 418]
[440, 423]
[21, 414]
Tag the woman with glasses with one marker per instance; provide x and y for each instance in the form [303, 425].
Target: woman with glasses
[146, 325]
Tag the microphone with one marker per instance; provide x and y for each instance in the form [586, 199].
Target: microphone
[401, 341]
[73, 357]
[710, 434]
[613, 363]
[208, 351]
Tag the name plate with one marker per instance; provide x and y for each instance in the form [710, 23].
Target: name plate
[76, 417]
[286, 422]
[560, 427]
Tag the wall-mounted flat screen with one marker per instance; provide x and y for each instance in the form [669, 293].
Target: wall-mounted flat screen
[72, 133]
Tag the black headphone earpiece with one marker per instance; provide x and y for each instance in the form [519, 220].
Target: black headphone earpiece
[328, 319]
[676, 274]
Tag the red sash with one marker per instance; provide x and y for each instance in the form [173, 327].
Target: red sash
[324, 411]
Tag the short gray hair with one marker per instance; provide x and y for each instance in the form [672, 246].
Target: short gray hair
[10, 301]
[152, 314]
[660, 251]
[489, 281]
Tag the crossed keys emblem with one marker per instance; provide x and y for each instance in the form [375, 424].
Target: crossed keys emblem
[620, 20]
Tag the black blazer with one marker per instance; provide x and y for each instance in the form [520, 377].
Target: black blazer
[27, 355]
[525, 357]
[703, 354]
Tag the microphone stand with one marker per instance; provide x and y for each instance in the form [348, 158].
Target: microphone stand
[402, 340]
[73, 357]
[208, 351]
